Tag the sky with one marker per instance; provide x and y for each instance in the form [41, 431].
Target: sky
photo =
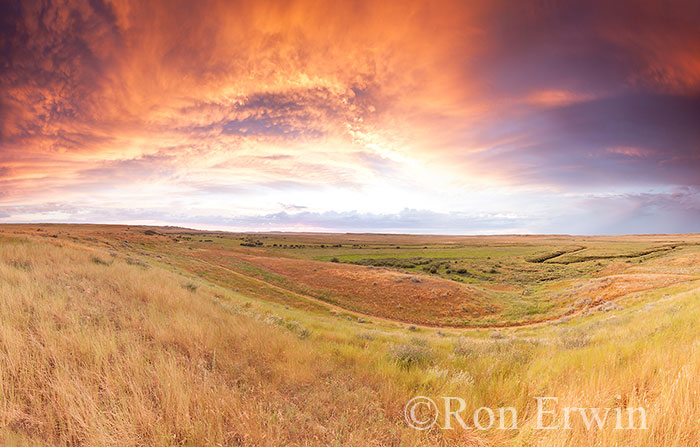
[454, 117]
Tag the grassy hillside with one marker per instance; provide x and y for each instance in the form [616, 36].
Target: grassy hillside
[109, 336]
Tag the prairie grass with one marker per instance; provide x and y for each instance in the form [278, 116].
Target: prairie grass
[95, 355]
[115, 354]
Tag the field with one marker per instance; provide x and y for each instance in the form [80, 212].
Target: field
[128, 335]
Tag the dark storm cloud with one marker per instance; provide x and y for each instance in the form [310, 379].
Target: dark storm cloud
[53, 60]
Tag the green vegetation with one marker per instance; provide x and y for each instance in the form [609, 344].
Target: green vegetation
[403, 263]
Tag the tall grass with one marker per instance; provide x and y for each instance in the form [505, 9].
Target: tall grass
[109, 353]
[117, 355]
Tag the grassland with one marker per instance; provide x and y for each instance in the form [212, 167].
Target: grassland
[115, 335]
[433, 281]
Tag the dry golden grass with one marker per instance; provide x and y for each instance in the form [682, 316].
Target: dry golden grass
[97, 355]
[97, 351]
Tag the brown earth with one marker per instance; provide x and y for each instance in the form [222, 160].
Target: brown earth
[380, 291]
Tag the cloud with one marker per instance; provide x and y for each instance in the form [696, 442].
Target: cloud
[292, 219]
[256, 103]
[292, 207]
[638, 139]
[675, 211]
[406, 221]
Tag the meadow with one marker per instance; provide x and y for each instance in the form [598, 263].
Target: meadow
[160, 336]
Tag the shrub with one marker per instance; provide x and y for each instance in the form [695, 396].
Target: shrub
[335, 260]
[297, 328]
[462, 347]
[135, 261]
[273, 320]
[404, 263]
[496, 334]
[25, 264]
[368, 336]
[99, 261]
[407, 356]
[292, 326]
[191, 287]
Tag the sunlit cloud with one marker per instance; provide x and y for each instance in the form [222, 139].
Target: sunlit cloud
[232, 111]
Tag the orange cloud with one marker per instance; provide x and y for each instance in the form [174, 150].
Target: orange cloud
[630, 151]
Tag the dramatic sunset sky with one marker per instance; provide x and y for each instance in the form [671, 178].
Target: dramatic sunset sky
[387, 116]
